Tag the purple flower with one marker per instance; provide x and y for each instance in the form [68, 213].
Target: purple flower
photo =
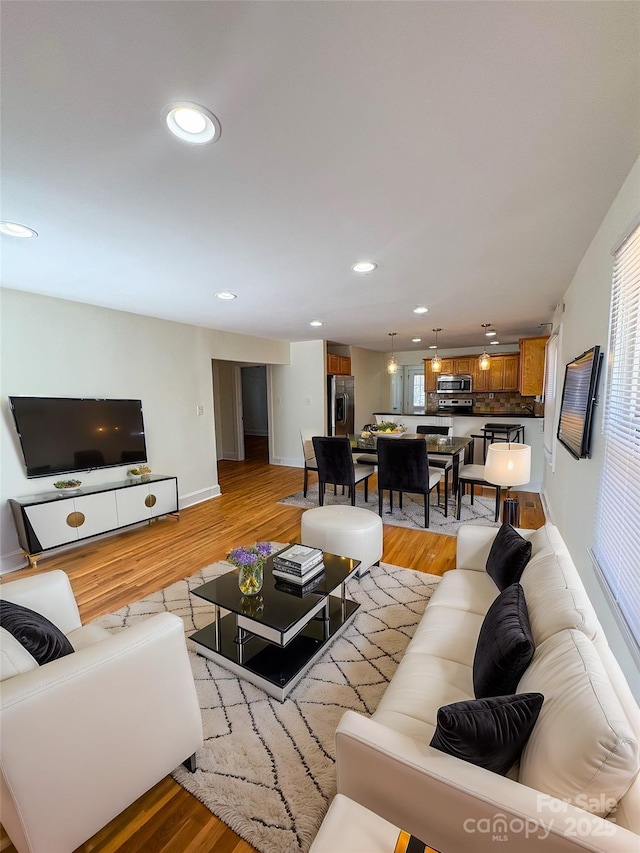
[242, 557]
[249, 558]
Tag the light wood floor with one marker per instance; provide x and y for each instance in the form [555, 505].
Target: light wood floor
[107, 574]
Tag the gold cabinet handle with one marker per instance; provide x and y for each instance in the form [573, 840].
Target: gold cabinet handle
[150, 501]
[75, 519]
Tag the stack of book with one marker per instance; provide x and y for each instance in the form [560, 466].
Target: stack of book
[297, 565]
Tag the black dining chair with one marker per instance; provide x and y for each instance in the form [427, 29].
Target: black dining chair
[403, 466]
[444, 463]
[310, 463]
[336, 467]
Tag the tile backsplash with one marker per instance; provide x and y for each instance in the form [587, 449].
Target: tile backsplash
[509, 402]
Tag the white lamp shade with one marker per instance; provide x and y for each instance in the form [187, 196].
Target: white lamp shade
[508, 464]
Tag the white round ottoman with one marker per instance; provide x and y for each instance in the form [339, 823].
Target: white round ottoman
[348, 531]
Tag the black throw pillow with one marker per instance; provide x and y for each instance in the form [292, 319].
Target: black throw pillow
[508, 557]
[488, 732]
[505, 645]
[40, 637]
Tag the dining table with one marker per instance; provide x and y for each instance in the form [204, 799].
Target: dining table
[444, 445]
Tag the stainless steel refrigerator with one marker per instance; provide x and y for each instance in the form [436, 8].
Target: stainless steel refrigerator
[341, 401]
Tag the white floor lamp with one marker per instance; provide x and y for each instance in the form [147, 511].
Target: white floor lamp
[508, 465]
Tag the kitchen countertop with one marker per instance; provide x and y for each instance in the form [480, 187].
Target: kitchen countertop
[474, 414]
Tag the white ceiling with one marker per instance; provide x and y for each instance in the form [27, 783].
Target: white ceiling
[471, 149]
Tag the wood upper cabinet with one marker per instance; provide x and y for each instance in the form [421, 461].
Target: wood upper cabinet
[463, 366]
[502, 374]
[511, 371]
[480, 377]
[429, 376]
[338, 364]
[531, 374]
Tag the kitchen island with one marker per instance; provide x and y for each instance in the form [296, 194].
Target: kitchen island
[471, 424]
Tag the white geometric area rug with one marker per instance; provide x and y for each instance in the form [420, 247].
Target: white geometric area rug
[412, 513]
[267, 768]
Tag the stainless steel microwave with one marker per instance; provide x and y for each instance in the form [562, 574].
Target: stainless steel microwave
[448, 384]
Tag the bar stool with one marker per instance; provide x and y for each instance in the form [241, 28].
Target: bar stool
[500, 432]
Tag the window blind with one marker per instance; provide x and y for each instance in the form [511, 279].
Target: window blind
[617, 535]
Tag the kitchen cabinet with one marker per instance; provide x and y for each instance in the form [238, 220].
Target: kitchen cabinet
[429, 376]
[531, 374]
[480, 377]
[338, 365]
[333, 363]
[503, 374]
[463, 366]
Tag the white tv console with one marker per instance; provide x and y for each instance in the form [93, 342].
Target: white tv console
[56, 518]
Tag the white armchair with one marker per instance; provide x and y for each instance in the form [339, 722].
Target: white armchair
[87, 734]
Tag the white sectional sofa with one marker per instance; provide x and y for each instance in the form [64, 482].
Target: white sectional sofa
[576, 787]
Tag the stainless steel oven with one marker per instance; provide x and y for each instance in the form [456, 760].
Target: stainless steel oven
[448, 384]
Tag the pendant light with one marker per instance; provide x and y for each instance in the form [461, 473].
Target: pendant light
[436, 361]
[392, 364]
[484, 362]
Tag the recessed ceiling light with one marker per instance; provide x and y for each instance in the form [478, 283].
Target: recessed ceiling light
[416, 340]
[192, 123]
[364, 266]
[12, 229]
[226, 294]
[490, 334]
[316, 323]
[432, 346]
[493, 343]
[420, 310]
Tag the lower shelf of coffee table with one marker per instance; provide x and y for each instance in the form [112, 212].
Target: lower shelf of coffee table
[275, 669]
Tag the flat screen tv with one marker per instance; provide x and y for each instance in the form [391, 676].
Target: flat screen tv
[62, 434]
[579, 396]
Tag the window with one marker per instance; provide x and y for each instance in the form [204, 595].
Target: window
[414, 400]
[617, 536]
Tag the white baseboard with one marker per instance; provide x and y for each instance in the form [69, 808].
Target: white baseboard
[12, 562]
[193, 498]
[16, 560]
[546, 507]
[290, 462]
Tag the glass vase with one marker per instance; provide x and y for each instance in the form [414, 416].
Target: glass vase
[250, 578]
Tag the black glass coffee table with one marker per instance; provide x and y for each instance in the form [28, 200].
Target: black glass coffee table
[271, 639]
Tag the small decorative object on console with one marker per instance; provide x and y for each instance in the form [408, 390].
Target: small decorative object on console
[68, 485]
[250, 562]
[142, 471]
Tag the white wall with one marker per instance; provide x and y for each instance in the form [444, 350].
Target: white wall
[52, 347]
[298, 401]
[369, 369]
[571, 492]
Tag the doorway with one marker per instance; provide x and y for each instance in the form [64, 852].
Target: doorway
[255, 417]
[240, 405]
